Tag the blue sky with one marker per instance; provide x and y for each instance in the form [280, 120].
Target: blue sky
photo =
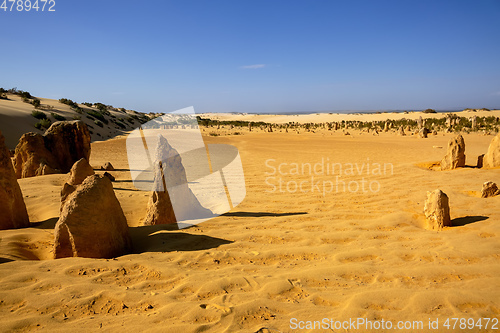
[257, 56]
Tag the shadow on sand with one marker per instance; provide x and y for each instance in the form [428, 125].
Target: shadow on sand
[47, 224]
[160, 238]
[261, 214]
[461, 221]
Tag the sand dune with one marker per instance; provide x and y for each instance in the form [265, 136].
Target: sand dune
[279, 255]
[16, 119]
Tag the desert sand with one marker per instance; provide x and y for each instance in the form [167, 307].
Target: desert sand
[329, 117]
[279, 255]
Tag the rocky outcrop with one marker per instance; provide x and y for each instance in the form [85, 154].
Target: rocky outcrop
[68, 141]
[13, 212]
[401, 131]
[492, 157]
[455, 155]
[489, 189]
[64, 143]
[92, 223]
[437, 210]
[172, 200]
[32, 157]
[79, 171]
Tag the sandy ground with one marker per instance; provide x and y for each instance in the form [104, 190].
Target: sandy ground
[279, 255]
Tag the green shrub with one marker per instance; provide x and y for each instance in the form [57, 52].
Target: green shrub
[77, 117]
[429, 111]
[43, 124]
[98, 123]
[68, 102]
[213, 134]
[57, 117]
[97, 115]
[24, 94]
[36, 103]
[39, 114]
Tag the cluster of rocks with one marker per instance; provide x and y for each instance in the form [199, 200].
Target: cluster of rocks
[64, 143]
[437, 209]
[455, 154]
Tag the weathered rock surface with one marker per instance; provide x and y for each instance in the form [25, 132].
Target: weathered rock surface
[79, 171]
[437, 210]
[401, 131]
[489, 189]
[13, 212]
[455, 155]
[64, 143]
[92, 223]
[31, 156]
[68, 141]
[492, 157]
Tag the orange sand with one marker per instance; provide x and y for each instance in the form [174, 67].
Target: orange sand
[277, 255]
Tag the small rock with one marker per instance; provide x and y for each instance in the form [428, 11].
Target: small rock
[489, 189]
[110, 176]
[423, 132]
[437, 210]
[480, 159]
[108, 167]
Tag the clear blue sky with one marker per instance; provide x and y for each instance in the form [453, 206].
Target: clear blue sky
[257, 56]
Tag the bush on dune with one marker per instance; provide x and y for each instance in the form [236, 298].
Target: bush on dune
[57, 117]
[43, 124]
[39, 114]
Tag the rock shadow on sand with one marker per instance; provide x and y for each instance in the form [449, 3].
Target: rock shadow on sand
[461, 221]
[261, 214]
[47, 224]
[161, 238]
